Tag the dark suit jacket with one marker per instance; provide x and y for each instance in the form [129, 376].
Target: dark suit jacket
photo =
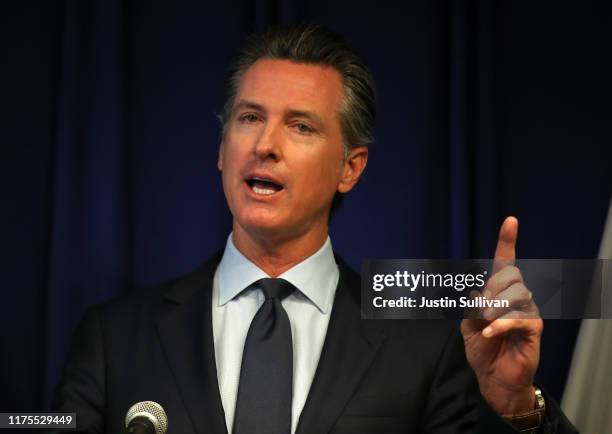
[373, 376]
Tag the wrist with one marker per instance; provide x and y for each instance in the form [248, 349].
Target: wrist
[531, 421]
[510, 401]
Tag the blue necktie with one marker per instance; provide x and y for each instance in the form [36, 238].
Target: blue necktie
[265, 390]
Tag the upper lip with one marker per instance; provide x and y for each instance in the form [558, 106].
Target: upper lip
[264, 176]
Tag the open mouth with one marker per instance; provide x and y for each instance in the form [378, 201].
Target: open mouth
[263, 186]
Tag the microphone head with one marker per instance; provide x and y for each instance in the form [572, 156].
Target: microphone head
[150, 410]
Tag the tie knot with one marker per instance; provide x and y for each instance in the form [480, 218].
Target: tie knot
[275, 288]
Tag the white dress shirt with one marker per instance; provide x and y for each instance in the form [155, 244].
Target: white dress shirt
[309, 311]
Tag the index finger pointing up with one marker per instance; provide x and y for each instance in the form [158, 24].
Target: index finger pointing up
[505, 252]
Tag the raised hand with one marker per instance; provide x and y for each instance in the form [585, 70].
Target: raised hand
[503, 348]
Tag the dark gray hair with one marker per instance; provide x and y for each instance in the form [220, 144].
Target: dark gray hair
[314, 45]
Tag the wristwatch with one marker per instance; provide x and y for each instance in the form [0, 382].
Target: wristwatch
[529, 422]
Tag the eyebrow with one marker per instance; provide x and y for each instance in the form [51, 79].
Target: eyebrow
[245, 104]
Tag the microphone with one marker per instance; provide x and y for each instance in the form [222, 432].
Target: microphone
[146, 417]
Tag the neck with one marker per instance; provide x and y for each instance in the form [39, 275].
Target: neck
[277, 255]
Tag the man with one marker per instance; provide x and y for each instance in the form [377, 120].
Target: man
[268, 338]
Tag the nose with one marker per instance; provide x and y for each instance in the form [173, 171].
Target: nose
[269, 143]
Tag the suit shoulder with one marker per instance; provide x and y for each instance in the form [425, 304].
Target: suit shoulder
[433, 333]
[140, 301]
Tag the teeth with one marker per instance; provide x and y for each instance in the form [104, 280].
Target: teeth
[265, 191]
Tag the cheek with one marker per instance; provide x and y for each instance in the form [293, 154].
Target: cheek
[321, 181]
[229, 172]
[231, 158]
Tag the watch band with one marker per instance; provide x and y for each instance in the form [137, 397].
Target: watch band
[532, 420]
[527, 422]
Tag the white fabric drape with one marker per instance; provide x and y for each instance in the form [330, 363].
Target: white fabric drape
[586, 400]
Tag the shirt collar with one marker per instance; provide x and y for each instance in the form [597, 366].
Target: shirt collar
[316, 276]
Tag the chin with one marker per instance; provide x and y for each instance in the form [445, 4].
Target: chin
[258, 222]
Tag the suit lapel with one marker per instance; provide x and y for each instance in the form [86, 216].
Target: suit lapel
[347, 353]
[185, 328]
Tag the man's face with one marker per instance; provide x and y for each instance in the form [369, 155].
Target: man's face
[282, 157]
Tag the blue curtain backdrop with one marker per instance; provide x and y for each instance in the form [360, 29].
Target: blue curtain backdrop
[110, 143]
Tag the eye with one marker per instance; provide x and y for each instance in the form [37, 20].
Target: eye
[303, 128]
[249, 118]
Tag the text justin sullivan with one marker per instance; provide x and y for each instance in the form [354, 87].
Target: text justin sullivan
[439, 302]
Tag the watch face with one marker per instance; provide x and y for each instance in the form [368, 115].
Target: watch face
[539, 398]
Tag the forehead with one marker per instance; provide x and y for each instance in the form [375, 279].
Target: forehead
[283, 84]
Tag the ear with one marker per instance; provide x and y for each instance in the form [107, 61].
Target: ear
[220, 157]
[353, 167]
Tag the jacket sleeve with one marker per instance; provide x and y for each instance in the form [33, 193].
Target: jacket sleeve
[455, 405]
[82, 389]
[555, 421]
